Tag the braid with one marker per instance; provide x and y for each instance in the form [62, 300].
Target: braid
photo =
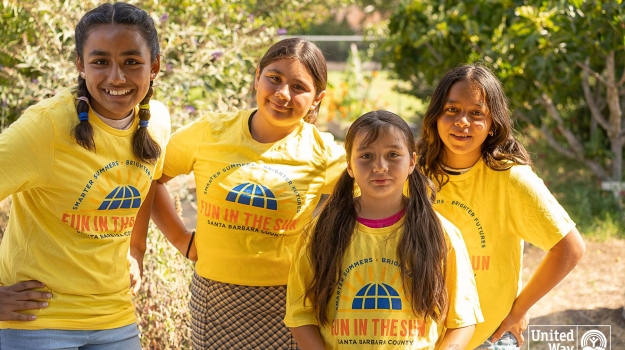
[83, 132]
[143, 146]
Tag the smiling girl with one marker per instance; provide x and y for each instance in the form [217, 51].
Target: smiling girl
[259, 174]
[489, 191]
[79, 166]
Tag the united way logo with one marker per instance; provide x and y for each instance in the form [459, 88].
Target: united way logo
[593, 340]
[253, 194]
[379, 296]
[122, 197]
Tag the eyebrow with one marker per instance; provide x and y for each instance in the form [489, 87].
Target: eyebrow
[125, 53]
[482, 105]
[392, 146]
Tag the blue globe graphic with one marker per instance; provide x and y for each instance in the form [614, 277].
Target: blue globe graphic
[253, 194]
[377, 296]
[124, 197]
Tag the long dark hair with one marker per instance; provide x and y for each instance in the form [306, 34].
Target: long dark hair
[143, 146]
[422, 249]
[309, 55]
[499, 151]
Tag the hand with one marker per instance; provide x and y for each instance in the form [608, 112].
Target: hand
[135, 274]
[514, 324]
[19, 297]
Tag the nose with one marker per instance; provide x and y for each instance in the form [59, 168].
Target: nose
[116, 75]
[283, 92]
[462, 120]
[380, 165]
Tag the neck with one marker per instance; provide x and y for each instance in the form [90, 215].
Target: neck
[264, 133]
[377, 208]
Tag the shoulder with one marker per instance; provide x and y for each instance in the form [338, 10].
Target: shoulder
[324, 141]
[452, 233]
[160, 120]
[54, 114]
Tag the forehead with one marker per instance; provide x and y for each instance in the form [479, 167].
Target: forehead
[387, 136]
[464, 91]
[115, 38]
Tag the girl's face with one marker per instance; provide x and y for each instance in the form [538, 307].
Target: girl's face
[464, 124]
[285, 94]
[382, 167]
[117, 68]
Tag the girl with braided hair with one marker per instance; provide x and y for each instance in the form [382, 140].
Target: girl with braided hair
[79, 166]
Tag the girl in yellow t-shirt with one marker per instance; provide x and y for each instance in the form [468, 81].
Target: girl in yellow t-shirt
[489, 191]
[78, 166]
[381, 270]
[259, 175]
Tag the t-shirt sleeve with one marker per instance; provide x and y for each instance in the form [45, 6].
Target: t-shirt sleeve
[464, 305]
[161, 131]
[298, 312]
[26, 153]
[182, 149]
[535, 213]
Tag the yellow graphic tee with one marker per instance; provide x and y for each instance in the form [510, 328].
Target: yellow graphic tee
[370, 309]
[72, 213]
[496, 211]
[252, 198]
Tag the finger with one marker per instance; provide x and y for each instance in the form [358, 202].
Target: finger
[519, 338]
[30, 305]
[22, 317]
[26, 285]
[136, 287]
[30, 295]
[498, 333]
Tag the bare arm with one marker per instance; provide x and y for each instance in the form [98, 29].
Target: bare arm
[457, 338]
[558, 262]
[308, 337]
[140, 230]
[166, 218]
[19, 297]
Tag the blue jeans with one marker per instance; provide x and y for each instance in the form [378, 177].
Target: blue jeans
[123, 338]
[507, 342]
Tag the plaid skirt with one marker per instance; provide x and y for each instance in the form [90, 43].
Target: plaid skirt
[230, 316]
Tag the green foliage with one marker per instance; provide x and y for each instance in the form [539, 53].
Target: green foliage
[163, 302]
[209, 50]
[539, 50]
[595, 212]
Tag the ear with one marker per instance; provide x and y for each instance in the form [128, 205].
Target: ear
[349, 170]
[156, 67]
[79, 64]
[257, 78]
[318, 99]
[413, 161]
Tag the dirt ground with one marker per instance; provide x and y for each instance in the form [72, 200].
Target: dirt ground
[592, 294]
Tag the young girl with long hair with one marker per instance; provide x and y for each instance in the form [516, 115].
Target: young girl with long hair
[381, 270]
[259, 175]
[489, 191]
[79, 166]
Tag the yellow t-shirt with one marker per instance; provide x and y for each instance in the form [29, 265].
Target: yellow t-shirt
[370, 309]
[496, 211]
[252, 198]
[72, 213]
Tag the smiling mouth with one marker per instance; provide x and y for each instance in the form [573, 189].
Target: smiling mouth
[117, 92]
[461, 136]
[277, 106]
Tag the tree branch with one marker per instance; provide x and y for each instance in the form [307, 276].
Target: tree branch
[595, 112]
[553, 112]
[595, 74]
[438, 57]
